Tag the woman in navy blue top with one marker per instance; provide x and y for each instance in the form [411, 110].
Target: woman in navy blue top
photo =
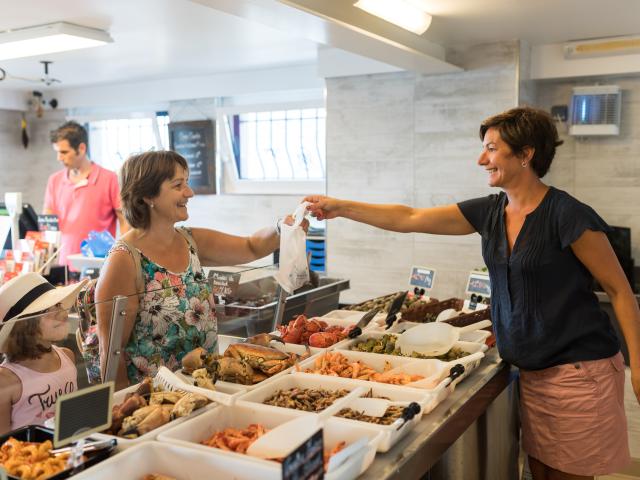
[542, 248]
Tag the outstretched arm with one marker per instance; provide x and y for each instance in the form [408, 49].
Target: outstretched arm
[594, 251]
[444, 220]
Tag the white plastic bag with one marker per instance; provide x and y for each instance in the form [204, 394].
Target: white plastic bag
[294, 269]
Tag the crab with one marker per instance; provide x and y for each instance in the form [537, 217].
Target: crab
[229, 369]
[248, 363]
[264, 339]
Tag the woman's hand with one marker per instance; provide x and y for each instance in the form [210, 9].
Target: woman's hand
[323, 208]
[289, 220]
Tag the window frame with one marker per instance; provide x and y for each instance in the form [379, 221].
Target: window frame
[130, 116]
[230, 180]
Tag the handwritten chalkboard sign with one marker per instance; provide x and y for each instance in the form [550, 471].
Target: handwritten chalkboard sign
[195, 141]
[83, 412]
[224, 283]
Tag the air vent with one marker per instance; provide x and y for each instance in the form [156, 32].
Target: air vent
[595, 110]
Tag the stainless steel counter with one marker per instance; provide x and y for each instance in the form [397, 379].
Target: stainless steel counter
[423, 447]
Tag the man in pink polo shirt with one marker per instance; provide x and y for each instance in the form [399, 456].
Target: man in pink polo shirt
[83, 195]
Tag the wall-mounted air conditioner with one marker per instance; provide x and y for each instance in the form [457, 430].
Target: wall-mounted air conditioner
[595, 110]
[602, 47]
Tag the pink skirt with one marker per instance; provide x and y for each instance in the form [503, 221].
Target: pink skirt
[573, 416]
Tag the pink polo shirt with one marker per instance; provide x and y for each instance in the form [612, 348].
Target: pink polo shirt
[82, 207]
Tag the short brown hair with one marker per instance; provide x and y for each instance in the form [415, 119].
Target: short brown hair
[522, 127]
[141, 177]
[23, 343]
[72, 132]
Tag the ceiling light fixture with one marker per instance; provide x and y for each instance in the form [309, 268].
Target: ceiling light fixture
[50, 38]
[407, 14]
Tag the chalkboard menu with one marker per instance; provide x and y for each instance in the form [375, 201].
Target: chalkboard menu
[195, 141]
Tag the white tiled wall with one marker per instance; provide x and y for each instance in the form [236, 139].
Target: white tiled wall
[411, 139]
[27, 170]
[603, 172]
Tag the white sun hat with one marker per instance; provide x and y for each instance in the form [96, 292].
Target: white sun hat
[28, 294]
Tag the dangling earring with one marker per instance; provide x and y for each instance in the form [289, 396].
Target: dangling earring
[152, 205]
[524, 164]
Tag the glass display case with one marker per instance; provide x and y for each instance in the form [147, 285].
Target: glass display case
[247, 298]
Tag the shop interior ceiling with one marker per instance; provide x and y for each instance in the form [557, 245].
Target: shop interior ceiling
[156, 39]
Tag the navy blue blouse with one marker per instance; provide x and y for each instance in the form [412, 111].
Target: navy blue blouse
[543, 307]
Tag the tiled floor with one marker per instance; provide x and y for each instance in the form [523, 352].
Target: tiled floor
[633, 421]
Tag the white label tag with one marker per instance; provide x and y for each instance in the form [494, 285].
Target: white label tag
[479, 284]
[422, 277]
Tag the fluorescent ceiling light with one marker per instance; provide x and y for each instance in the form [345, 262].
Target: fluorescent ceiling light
[407, 14]
[50, 38]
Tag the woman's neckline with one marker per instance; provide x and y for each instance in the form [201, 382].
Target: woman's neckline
[542, 200]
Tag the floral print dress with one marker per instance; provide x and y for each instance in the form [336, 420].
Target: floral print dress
[176, 314]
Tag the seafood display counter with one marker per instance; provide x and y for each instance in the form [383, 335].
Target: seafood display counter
[388, 407]
[485, 397]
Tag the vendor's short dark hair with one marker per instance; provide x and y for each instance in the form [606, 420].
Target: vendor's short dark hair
[72, 132]
[522, 127]
[141, 177]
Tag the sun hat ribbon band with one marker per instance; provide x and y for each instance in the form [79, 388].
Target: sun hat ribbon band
[27, 300]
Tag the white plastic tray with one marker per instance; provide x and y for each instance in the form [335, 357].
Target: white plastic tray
[428, 400]
[235, 388]
[339, 321]
[469, 347]
[477, 336]
[124, 443]
[190, 434]
[301, 380]
[351, 317]
[176, 461]
[434, 371]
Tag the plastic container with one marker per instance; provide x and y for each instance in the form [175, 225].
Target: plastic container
[190, 434]
[119, 396]
[237, 388]
[351, 317]
[300, 380]
[36, 433]
[469, 347]
[433, 371]
[176, 461]
[477, 336]
[427, 400]
[331, 321]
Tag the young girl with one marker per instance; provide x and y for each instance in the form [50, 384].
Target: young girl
[35, 371]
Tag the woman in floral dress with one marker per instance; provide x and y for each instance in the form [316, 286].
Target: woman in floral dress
[173, 312]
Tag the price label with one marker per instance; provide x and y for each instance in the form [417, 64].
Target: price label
[422, 277]
[307, 461]
[224, 284]
[479, 284]
[81, 413]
